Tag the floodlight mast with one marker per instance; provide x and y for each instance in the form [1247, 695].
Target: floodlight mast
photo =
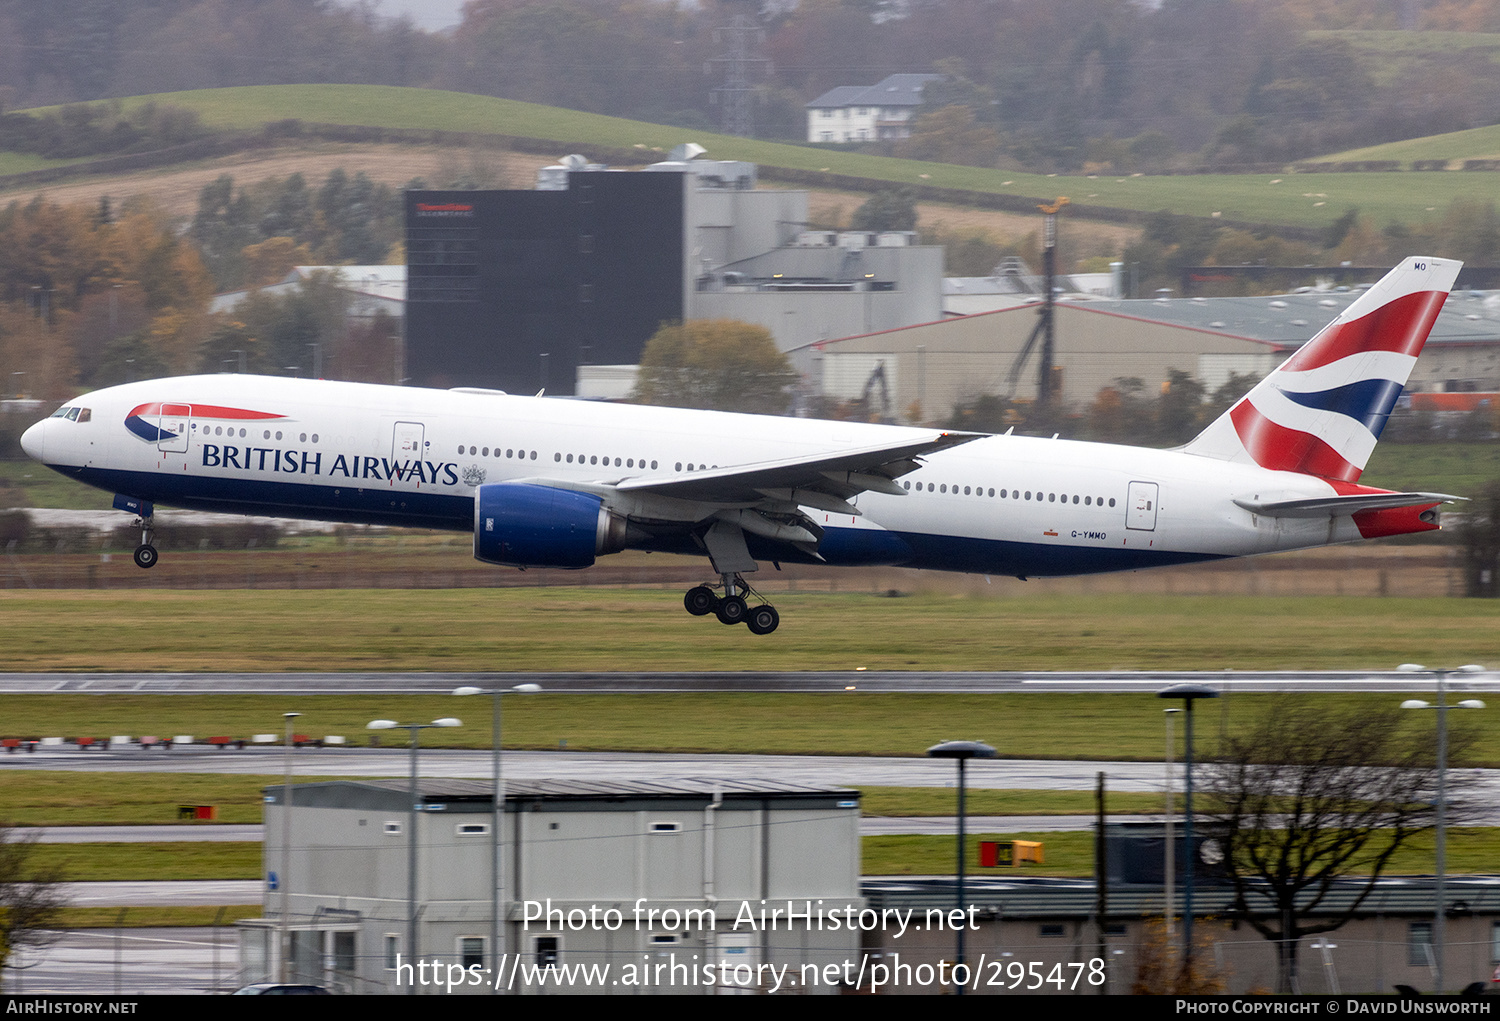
[1188, 693]
[498, 903]
[963, 751]
[1439, 910]
[411, 831]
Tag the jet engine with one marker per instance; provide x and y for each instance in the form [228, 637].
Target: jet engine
[518, 524]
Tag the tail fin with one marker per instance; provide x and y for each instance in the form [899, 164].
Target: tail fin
[1321, 412]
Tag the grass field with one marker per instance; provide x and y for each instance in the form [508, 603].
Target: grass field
[45, 797]
[154, 917]
[25, 162]
[1473, 144]
[1470, 850]
[1304, 199]
[28, 484]
[48, 797]
[178, 860]
[551, 629]
[1462, 469]
[1028, 725]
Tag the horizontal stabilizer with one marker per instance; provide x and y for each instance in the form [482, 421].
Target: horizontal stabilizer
[1339, 506]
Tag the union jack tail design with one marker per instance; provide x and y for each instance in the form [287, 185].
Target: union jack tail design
[1321, 412]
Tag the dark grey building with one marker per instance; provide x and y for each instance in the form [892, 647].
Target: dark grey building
[515, 289]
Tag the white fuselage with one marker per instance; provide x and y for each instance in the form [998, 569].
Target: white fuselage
[406, 456]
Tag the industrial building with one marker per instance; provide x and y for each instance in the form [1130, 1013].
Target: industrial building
[1052, 924]
[521, 290]
[667, 884]
[939, 364]
[732, 886]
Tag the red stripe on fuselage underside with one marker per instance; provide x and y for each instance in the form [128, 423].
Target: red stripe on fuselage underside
[1400, 326]
[203, 411]
[1281, 449]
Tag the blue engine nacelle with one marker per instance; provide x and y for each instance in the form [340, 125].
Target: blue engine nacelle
[523, 525]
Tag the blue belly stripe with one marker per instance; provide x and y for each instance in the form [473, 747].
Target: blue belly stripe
[843, 547]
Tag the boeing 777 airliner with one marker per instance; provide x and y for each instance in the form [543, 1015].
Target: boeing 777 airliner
[556, 483]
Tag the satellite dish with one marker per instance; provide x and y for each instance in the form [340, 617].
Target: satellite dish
[686, 151]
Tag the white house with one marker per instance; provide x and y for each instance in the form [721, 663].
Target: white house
[867, 113]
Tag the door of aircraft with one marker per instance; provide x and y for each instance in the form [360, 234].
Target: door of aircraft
[173, 423]
[1141, 506]
[408, 443]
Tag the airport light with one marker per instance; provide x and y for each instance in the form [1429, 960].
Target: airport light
[1188, 693]
[963, 751]
[1439, 912]
[497, 816]
[286, 848]
[411, 828]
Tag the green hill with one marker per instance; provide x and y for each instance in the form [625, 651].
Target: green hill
[1474, 144]
[1304, 200]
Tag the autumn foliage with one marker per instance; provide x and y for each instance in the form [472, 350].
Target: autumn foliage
[722, 364]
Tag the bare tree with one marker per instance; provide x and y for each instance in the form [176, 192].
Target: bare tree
[1315, 801]
[31, 896]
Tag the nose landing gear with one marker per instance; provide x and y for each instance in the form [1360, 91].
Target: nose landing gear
[731, 608]
[145, 554]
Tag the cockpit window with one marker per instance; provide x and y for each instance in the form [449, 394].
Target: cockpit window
[73, 414]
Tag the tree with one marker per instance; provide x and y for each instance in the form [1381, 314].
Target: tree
[1179, 409]
[30, 896]
[1313, 801]
[1480, 534]
[950, 135]
[721, 364]
[891, 209]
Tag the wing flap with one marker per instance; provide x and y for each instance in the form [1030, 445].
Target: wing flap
[843, 474]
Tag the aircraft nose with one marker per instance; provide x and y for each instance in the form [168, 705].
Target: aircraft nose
[33, 441]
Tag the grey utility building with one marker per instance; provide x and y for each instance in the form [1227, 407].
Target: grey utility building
[688, 886]
[561, 287]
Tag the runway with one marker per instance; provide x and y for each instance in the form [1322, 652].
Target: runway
[997, 682]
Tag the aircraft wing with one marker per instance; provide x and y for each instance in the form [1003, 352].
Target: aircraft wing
[841, 475]
[1335, 506]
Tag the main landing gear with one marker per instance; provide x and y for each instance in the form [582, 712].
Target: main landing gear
[731, 607]
[145, 554]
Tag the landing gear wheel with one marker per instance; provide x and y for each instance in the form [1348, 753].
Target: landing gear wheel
[700, 601]
[731, 610]
[145, 555]
[762, 620]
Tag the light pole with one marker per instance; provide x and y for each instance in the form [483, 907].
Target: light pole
[1439, 912]
[1169, 864]
[963, 751]
[286, 848]
[1188, 693]
[497, 816]
[411, 830]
